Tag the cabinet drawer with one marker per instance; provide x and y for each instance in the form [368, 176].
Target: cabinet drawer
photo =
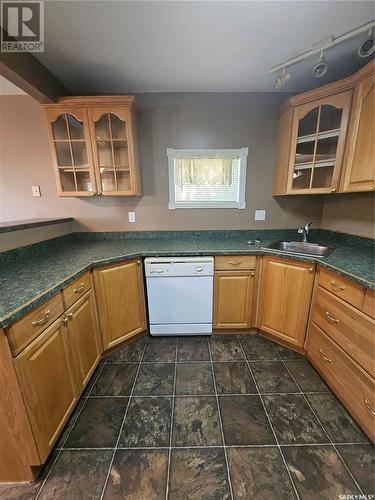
[353, 386]
[233, 262]
[76, 289]
[369, 303]
[346, 290]
[28, 328]
[349, 328]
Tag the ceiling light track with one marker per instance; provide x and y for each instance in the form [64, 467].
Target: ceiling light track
[327, 43]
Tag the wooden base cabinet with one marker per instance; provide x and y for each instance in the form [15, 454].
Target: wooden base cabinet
[46, 376]
[285, 296]
[233, 299]
[82, 324]
[120, 301]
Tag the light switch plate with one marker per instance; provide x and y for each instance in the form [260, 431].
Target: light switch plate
[36, 191]
[260, 215]
[131, 216]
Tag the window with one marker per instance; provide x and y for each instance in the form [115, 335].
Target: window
[207, 178]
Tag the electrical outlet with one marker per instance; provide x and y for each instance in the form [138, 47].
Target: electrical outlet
[131, 216]
[260, 215]
[36, 191]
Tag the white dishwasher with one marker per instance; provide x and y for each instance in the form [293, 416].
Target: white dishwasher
[179, 293]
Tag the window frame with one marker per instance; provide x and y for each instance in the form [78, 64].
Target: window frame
[173, 154]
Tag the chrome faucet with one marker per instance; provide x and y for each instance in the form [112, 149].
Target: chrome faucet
[304, 230]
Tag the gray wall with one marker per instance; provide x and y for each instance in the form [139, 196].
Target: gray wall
[213, 120]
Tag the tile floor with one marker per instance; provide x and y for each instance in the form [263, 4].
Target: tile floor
[197, 418]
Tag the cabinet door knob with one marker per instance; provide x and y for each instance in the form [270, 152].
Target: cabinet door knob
[311, 269]
[64, 321]
[139, 262]
[333, 190]
[252, 273]
[69, 315]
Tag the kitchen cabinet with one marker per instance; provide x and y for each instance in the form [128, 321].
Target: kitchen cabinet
[235, 284]
[285, 295]
[82, 325]
[94, 146]
[120, 301]
[325, 138]
[359, 162]
[47, 380]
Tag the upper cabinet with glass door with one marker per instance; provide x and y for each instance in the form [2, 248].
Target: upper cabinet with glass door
[94, 146]
[314, 147]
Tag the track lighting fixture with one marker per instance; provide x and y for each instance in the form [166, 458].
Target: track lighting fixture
[367, 46]
[320, 68]
[283, 78]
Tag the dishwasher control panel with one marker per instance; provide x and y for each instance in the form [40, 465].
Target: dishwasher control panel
[179, 266]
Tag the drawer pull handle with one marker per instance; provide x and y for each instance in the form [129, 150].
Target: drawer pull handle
[43, 320]
[338, 287]
[79, 289]
[368, 406]
[234, 262]
[331, 318]
[64, 321]
[69, 315]
[323, 356]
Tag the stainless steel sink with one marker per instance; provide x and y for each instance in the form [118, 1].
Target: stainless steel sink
[310, 249]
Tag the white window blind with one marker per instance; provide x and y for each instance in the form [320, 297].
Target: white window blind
[207, 178]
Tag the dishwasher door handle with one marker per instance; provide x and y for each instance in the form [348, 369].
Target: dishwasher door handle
[158, 271]
[199, 269]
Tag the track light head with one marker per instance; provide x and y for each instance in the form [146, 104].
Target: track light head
[321, 67]
[367, 46]
[282, 79]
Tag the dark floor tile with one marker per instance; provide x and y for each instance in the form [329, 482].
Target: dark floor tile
[257, 347]
[225, 349]
[339, 425]
[160, 349]
[196, 422]
[233, 378]
[318, 473]
[98, 424]
[307, 378]
[259, 473]
[244, 421]
[193, 349]
[147, 423]
[360, 460]
[128, 353]
[272, 376]
[92, 380]
[69, 425]
[194, 378]
[292, 419]
[19, 491]
[154, 379]
[77, 474]
[115, 380]
[288, 354]
[138, 474]
[198, 474]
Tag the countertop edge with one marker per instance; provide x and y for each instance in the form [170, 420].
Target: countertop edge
[22, 225]
[9, 319]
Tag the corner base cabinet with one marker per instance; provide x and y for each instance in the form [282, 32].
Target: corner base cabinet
[285, 297]
[120, 301]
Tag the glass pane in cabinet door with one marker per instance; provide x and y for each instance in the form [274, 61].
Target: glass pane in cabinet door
[102, 128]
[309, 123]
[120, 152]
[64, 157]
[118, 127]
[322, 177]
[75, 128]
[301, 178]
[326, 148]
[107, 177]
[123, 180]
[79, 153]
[105, 153]
[60, 131]
[83, 181]
[67, 180]
[330, 118]
[304, 152]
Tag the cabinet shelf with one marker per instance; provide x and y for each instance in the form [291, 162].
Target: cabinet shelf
[317, 164]
[321, 135]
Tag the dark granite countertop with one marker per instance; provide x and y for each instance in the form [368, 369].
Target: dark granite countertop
[17, 225]
[31, 275]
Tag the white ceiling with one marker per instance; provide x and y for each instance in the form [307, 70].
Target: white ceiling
[8, 88]
[139, 46]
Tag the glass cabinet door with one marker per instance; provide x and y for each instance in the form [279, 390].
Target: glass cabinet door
[319, 142]
[72, 156]
[112, 156]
